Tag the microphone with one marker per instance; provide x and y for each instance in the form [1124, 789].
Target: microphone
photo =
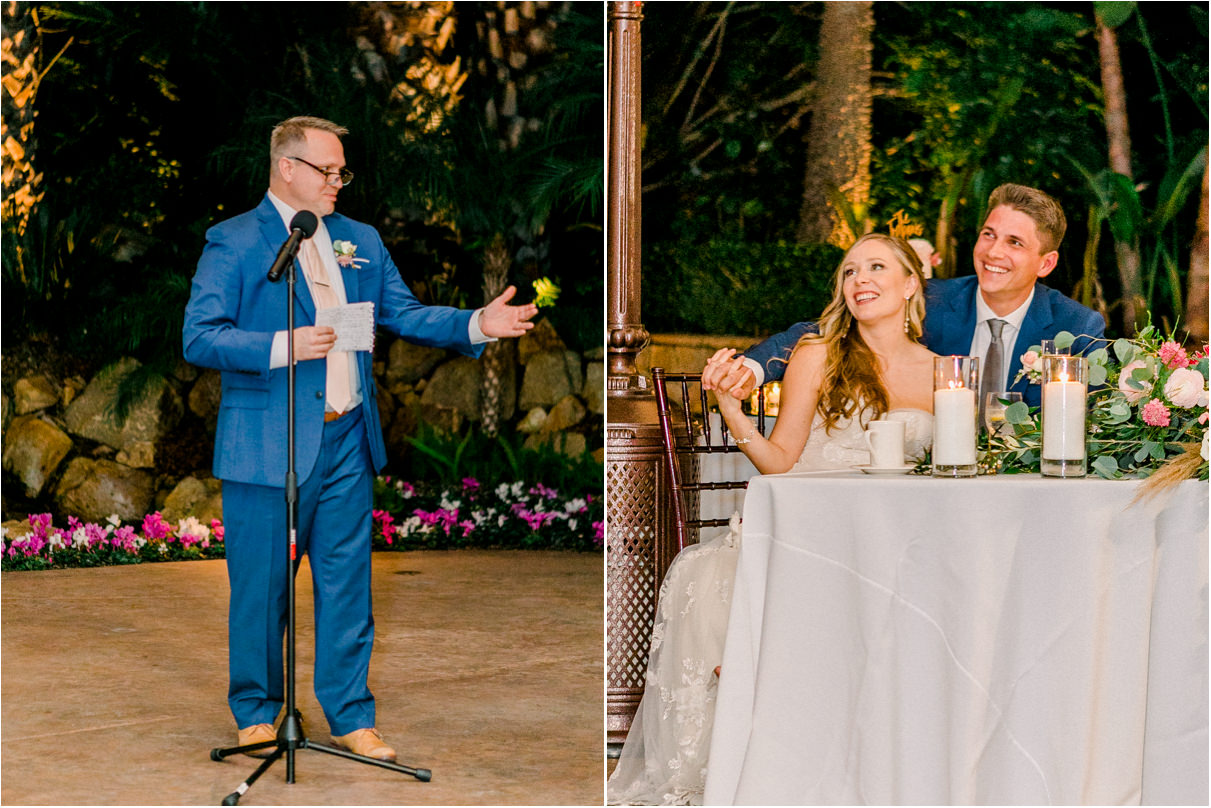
[302, 226]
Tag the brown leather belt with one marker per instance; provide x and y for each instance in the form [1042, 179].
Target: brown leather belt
[329, 417]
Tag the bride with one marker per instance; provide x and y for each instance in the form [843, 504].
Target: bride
[864, 365]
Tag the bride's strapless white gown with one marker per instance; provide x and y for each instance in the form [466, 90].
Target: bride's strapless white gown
[665, 756]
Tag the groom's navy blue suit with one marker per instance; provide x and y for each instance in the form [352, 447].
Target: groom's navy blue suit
[950, 322]
[230, 322]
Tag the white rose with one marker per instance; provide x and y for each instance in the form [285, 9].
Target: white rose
[1184, 387]
[1205, 451]
[1132, 395]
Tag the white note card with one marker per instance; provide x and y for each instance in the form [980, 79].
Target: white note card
[354, 325]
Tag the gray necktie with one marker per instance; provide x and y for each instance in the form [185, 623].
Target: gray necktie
[990, 374]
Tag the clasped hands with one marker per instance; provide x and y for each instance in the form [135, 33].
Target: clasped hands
[498, 320]
[726, 374]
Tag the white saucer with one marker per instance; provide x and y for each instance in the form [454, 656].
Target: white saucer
[886, 469]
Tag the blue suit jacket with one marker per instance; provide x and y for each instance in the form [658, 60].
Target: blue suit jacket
[950, 322]
[234, 312]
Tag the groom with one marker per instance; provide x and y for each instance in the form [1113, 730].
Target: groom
[996, 314]
[232, 323]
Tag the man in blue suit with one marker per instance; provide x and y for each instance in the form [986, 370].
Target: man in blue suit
[235, 322]
[1017, 245]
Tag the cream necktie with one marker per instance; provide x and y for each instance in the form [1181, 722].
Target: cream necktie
[325, 297]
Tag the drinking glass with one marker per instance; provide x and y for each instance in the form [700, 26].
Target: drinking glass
[995, 405]
[1049, 349]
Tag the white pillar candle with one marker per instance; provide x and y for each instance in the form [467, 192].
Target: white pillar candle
[954, 426]
[1063, 420]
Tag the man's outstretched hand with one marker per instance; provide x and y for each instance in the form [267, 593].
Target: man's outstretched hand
[499, 319]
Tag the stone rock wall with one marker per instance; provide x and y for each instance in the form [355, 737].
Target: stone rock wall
[91, 448]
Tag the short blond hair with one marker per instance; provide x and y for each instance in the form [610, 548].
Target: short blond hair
[1043, 210]
[288, 134]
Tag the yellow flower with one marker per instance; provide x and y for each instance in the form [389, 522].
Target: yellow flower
[547, 292]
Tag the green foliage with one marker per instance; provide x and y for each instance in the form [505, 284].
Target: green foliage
[726, 93]
[446, 458]
[1135, 425]
[736, 287]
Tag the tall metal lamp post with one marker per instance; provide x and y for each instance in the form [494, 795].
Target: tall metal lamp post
[640, 542]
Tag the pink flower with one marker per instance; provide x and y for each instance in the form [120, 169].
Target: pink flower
[1173, 355]
[1202, 419]
[1155, 413]
[154, 527]
[216, 529]
[1185, 388]
[1033, 363]
[1133, 395]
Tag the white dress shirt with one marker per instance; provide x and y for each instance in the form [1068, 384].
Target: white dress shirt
[323, 243]
[982, 337]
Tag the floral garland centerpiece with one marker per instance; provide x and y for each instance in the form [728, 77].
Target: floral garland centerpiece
[1147, 410]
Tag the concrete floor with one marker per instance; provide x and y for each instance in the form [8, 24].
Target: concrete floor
[487, 670]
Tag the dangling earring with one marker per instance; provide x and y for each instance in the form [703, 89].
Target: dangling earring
[907, 319]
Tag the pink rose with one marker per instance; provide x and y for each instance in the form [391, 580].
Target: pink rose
[1155, 413]
[1185, 388]
[1032, 361]
[1132, 395]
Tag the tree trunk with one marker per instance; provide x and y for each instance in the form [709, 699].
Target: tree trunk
[497, 356]
[1119, 140]
[838, 141]
[1196, 279]
[19, 51]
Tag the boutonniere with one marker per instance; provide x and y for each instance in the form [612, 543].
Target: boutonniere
[346, 254]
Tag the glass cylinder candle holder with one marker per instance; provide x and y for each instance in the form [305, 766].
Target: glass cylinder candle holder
[1065, 384]
[956, 383]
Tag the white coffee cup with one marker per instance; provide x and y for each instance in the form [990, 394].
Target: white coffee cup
[885, 439]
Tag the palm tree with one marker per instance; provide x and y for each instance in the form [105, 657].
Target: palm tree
[837, 177]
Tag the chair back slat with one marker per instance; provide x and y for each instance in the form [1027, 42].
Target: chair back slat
[685, 443]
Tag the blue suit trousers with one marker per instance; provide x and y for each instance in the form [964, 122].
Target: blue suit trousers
[333, 528]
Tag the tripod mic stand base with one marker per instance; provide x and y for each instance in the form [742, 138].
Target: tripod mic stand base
[290, 739]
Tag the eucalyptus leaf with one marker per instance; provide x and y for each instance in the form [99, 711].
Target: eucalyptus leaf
[1119, 411]
[1106, 467]
[1064, 339]
[1124, 350]
[1097, 374]
[1018, 413]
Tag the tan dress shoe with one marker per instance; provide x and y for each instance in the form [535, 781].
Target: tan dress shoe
[257, 733]
[366, 742]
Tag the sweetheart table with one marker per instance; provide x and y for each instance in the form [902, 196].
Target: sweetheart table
[997, 640]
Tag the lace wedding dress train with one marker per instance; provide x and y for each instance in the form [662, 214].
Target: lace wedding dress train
[665, 756]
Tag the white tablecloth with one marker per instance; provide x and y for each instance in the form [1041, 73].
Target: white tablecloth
[995, 640]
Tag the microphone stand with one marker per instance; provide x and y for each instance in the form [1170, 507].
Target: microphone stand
[290, 735]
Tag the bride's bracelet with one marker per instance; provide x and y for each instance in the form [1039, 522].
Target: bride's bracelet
[748, 439]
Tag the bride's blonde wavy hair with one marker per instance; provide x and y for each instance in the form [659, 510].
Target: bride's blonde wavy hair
[851, 371]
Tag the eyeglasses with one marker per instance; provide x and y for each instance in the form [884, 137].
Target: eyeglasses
[330, 177]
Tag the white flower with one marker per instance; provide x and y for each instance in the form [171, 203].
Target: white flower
[1133, 395]
[114, 520]
[575, 505]
[192, 527]
[1185, 388]
[1205, 451]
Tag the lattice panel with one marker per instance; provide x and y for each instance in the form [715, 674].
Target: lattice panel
[632, 561]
